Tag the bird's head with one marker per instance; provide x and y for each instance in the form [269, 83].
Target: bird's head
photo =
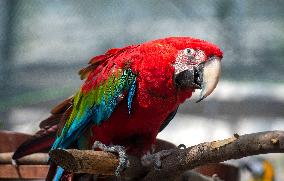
[177, 66]
[196, 70]
[197, 64]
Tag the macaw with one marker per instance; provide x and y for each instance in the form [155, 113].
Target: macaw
[260, 169]
[129, 95]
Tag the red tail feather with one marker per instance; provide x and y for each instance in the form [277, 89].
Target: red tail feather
[41, 142]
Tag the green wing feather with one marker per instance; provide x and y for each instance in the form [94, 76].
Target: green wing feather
[97, 104]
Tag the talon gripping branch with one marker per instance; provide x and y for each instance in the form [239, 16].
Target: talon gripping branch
[129, 95]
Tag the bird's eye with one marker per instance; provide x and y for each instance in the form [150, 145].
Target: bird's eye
[188, 50]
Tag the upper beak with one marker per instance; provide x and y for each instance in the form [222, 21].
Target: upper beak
[211, 74]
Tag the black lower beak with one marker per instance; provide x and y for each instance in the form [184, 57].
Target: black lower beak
[191, 78]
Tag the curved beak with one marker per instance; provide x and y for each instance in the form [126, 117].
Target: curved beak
[211, 75]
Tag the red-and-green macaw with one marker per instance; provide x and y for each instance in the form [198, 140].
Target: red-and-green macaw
[129, 95]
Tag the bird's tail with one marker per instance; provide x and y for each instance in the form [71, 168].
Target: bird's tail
[43, 140]
[58, 174]
[40, 142]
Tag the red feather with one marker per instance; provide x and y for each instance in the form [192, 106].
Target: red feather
[40, 142]
[44, 138]
[156, 95]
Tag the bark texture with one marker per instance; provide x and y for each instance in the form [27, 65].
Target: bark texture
[174, 165]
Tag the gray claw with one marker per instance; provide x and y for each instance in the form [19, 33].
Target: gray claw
[120, 150]
[155, 158]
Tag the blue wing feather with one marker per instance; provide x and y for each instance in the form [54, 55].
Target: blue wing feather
[95, 112]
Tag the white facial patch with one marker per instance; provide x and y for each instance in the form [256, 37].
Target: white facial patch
[180, 63]
[187, 59]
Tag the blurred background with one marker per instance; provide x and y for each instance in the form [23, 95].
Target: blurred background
[44, 43]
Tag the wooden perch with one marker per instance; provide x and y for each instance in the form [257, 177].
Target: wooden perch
[33, 166]
[23, 172]
[33, 159]
[96, 162]
[87, 161]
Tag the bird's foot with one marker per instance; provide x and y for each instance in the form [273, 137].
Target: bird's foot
[155, 158]
[120, 150]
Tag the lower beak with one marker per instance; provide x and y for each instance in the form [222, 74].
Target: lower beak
[211, 74]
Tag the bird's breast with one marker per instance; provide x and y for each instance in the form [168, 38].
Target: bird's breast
[142, 120]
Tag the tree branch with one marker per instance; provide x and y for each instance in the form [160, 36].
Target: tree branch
[218, 151]
[180, 160]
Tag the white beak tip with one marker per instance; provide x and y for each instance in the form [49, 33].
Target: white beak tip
[200, 99]
[211, 75]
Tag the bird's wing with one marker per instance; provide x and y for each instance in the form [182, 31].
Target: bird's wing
[106, 84]
[52, 127]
